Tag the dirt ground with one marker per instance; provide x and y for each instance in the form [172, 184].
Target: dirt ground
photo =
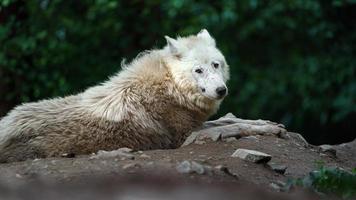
[223, 175]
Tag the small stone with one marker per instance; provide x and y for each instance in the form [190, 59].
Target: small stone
[219, 167]
[184, 167]
[280, 183]
[252, 156]
[127, 158]
[200, 142]
[68, 155]
[327, 149]
[275, 186]
[122, 153]
[187, 167]
[208, 170]
[125, 150]
[251, 137]
[198, 168]
[145, 156]
[131, 166]
[281, 169]
[226, 170]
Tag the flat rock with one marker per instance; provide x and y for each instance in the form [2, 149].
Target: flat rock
[298, 138]
[281, 169]
[252, 156]
[231, 127]
[327, 149]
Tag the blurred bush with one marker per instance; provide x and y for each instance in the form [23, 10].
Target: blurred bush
[328, 181]
[292, 61]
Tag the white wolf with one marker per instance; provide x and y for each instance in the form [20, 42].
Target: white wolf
[154, 102]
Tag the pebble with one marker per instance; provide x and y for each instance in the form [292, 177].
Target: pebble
[281, 169]
[150, 163]
[131, 166]
[125, 150]
[123, 153]
[200, 142]
[275, 186]
[68, 155]
[198, 168]
[168, 159]
[278, 185]
[328, 149]
[226, 170]
[145, 156]
[189, 167]
[184, 167]
[252, 156]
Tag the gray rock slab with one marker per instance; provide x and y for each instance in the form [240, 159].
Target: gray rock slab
[325, 148]
[281, 169]
[252, 156]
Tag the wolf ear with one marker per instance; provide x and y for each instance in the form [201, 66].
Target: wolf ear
[204, 34]
[173, 45]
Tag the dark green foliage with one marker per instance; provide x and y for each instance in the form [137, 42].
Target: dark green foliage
[292, 61]
[329, 181]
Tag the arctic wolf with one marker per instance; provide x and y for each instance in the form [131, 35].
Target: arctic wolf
[153, 102]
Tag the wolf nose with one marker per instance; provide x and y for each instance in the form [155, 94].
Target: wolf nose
[221, 91]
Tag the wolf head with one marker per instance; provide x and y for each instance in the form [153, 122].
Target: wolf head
[195, 61]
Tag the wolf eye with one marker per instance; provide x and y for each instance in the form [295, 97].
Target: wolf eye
[199, 71]
[215, 65]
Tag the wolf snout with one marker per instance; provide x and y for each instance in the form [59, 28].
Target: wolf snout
[221, 91]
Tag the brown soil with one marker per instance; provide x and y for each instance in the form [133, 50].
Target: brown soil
[157, 168]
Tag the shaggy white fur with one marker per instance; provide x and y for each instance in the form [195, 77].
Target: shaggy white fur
[154, 102]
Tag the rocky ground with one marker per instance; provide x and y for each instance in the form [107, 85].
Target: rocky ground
[214, 163]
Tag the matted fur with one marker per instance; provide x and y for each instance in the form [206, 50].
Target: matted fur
[148, 105]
